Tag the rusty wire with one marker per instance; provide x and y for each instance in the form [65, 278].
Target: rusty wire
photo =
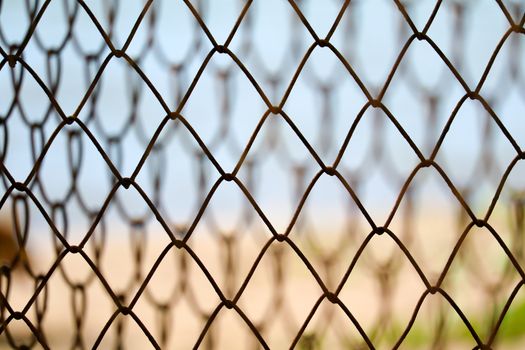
[274, 90]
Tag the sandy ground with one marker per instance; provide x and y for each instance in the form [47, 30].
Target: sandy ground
[299, 292]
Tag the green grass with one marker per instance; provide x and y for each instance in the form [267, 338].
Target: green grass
[512, 329]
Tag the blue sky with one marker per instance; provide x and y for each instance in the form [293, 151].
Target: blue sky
[371, 51]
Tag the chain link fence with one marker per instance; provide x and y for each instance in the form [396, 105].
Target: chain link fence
[262, 174]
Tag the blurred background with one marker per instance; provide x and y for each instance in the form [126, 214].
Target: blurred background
[379, 140]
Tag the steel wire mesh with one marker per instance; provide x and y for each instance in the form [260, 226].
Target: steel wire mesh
[219, 155]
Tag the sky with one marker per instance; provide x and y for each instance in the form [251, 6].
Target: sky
[372, 51]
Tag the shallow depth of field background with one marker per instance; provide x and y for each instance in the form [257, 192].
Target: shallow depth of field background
[225, 109]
